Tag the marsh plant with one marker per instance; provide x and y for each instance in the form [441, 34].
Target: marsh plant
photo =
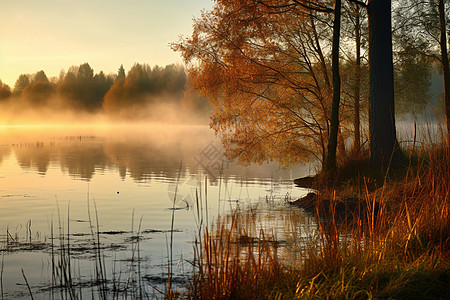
[398, 250]
[398, 246]
[84, 264]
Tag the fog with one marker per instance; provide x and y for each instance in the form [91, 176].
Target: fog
[142, 151]
[17, 113]
[78, 96]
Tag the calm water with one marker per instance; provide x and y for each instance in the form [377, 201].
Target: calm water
[55, 179]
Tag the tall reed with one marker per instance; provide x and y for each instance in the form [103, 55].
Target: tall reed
[397, 244]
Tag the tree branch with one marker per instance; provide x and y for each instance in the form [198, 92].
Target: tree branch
[314, 6]
[305, 4]
[359, 3]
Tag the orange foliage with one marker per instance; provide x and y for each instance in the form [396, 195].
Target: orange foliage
[264, 69]
[142, 86]
[38, 92]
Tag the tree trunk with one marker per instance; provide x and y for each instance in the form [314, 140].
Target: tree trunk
[445, 66]
[383, 140]
[334, 122]
[357, 84]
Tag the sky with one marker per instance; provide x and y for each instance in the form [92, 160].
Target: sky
[51, 35]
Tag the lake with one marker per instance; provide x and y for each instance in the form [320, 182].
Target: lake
[65, 189]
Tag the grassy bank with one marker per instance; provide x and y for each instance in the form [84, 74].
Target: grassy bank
[398, 251]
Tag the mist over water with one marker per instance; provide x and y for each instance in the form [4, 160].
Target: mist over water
[55, 173]
[145, 94]
[17, 114]
[137, 150]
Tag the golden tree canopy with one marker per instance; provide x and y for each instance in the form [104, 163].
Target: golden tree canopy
[264, 68]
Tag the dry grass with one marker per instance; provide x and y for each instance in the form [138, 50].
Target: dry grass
[399, 251]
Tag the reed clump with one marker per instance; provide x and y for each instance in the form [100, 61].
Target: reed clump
[400, 250]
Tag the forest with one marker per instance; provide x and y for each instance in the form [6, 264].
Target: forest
[140, 94]
[325, 81]
[292, 81]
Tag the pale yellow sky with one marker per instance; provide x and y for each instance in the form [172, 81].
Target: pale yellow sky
[51, 35]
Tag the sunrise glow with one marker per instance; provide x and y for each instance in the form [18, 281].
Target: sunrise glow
[51, 35]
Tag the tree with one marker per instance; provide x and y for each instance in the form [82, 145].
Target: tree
[445, 64]
[423, 29]
[384, 147]
[357, 83]
[330, 163]
[38, 92]
[86, 95]
[21, 83]
[354, 84]
[144, 86]
[383, 140]
[266, 70]
[101, 85]
[67, 87]
[5, 91]
[240, 30]
[82, 89]
[40, 76]
[412, 81]
[334, 122]
[172, 80]
[121, 73]
[85, 73]
[416, 36]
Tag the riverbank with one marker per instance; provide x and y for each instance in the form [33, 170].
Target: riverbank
[399, 250]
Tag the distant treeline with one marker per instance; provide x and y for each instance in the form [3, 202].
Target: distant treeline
[119, 95]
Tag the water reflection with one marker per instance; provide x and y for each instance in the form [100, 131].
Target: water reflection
[4, 152]
[130, 174]
[143, 153]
